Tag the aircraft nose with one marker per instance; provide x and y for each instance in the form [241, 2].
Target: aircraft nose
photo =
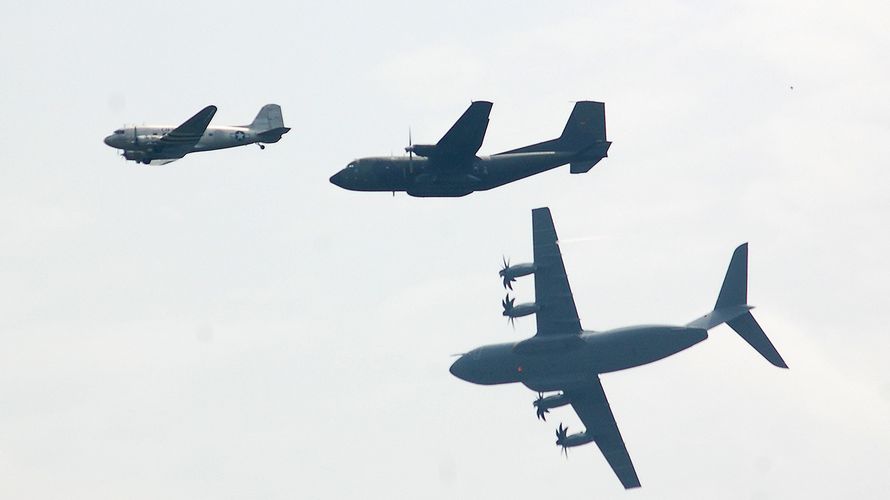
[461, 368]
[338, 178]
[108, 140]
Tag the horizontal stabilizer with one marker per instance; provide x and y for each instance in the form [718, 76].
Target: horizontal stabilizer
[747, 328]
[582, 167]
[273, 135]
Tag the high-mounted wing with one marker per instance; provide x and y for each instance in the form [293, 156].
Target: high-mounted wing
[592, 407]
[189, 133]
[464, 138]
[556, 307]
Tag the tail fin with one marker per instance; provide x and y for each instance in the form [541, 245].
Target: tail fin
[269, 124]
[583, 135]
[734, 291]
[586, 125]
[732, 309]
[268, 118]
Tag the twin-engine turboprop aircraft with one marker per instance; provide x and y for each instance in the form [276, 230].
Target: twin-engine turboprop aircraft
[562, 357]
[160, 144]
[451, 168]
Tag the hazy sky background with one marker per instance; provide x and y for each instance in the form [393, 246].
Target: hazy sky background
[233, 326]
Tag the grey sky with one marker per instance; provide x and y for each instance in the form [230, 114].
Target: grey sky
[232, 326]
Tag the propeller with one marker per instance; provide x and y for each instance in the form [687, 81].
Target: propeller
[542, 412]
[410, 151]
[508, 280]
[507, 303]
[561, 435]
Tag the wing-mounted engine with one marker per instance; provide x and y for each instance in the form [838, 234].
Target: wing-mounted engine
[544, 404]
[513, 311]
[566, 440]
[509, 273]
[136, 155]
[425, 150]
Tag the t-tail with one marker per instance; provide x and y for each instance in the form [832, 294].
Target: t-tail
[732, 309]
[584, 136]
[269, 124]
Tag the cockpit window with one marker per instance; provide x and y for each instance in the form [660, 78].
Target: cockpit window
[119, 131]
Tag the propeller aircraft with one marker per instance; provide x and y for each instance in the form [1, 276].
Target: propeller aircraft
[566, 360]
[451, 167]
[162, 144]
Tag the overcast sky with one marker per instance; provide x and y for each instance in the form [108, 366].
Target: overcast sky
[233, 326]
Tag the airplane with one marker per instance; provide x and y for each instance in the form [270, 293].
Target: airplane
[451, 168]
[565, 359]
[161, 144]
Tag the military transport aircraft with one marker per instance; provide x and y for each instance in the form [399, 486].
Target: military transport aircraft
[160, 144]
[562, 357]
[451, 168]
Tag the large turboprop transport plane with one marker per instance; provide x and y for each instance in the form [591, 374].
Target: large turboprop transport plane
[161, 144]
[565, 359]
[451, 167]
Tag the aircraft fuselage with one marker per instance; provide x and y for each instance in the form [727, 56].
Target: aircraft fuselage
[420, 176]
[551, 364]
[145, 141]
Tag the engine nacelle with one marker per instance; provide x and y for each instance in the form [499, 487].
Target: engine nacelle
[555, 401]
[574, 440]
[520, 310]
[567, 441]
[135, 155]
[515, 271]
[425, 150]
[510, 273]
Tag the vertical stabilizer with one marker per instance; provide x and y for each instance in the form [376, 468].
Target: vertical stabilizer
[268, 118]
[734, 291]
[586, 125]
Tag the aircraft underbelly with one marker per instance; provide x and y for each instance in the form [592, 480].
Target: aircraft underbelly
[555, 371]
[629, 347]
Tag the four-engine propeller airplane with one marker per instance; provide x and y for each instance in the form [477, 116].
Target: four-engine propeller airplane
[161, 144]
[451, 167]
[564, 358]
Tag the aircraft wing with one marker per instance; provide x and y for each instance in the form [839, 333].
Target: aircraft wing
[189, 133]
[556, 307]
[464, 138]
[592, 407]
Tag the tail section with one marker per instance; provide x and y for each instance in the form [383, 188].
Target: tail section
[584, 135]
[732, 309]
[586, 125]
[269, 124]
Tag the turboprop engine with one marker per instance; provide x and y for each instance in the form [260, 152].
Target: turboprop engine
[135, 155]
[567, 441]
[510, 273]
[517, 311]
[544, 404]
